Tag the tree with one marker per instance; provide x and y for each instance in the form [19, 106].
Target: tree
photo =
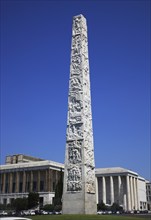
[101, 206]
[33, 200]
[20, 204]
[49, 208]
[59, 191]
[116, 207]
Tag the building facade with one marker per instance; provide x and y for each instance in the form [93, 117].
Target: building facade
[148, 194]
[23, 174]
[122, 186]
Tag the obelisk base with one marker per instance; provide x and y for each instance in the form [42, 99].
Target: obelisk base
[75, 204]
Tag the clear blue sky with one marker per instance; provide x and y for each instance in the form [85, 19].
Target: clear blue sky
[35, 49]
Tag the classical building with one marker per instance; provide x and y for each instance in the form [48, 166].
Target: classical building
[23, 174]
[148, 194]
[122, 186]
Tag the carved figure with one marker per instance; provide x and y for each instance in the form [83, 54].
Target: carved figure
[74, 155]
[74, 186]
[75, 131]
[75, 84]
[74, 174]
[75, 105]
[76, 26]
[76, 41]
[89, 157]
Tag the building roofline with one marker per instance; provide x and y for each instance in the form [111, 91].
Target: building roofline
[114, 170]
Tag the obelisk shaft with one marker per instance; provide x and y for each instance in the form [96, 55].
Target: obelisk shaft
[79, 194]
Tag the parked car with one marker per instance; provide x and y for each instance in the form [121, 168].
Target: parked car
[44, 212]
[14, 218]
[3, 213]
[99, 212]
[32, 213]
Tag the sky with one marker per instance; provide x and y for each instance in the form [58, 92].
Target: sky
[35, 68]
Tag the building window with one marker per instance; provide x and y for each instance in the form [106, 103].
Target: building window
[41, 201]
[1, 187]
[20, 187]
[41, 185]
[6, 188]
[53, 186]
[4, 201]
[34, 186]
[13, 189]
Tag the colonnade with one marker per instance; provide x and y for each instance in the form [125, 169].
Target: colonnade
[119, 189]
[28, 181]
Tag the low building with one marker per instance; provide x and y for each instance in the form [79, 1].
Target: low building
[122, 186]
[148, 194]
[23, 174]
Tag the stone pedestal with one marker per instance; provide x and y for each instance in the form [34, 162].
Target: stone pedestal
[79, 193]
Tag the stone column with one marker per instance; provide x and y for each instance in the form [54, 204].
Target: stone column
[10, 182]
[111, 190]
[17, 182]
[4, 182]
[31, 181]
[46, 179]
[97, 191]
[104, 189]
[137, 198]
[128, 193]
[49, 179]
[124, 202]
[132, 194]
[119, 189]
[38, 181]
[24, 181]
[52, 180]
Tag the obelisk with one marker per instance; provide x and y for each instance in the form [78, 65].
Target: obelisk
[79, 191]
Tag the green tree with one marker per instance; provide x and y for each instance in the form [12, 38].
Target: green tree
[33, 200]
[20, 204]
[58, 208]
[116, 207]
[101, 206]
[48, 207]
[2, 206]
[59, 191]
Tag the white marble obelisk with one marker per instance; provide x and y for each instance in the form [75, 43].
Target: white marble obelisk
[79, 193]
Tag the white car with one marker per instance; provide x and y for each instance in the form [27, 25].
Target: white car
[14, 218]
[32, 213]
[3, 213]
[99, 212]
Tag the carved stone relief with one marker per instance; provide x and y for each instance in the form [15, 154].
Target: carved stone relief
[75, 103]
[75, 84]
[74, 186]
[76, 41]
[76, 59]
[74, 178]
[74, 152]
[79, 146]
[90, 183]
[89, 157]
[74, 155]
[74, 131]
[76, 26]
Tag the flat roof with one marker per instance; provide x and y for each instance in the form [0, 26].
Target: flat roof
[32, 164]
[113, 170]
